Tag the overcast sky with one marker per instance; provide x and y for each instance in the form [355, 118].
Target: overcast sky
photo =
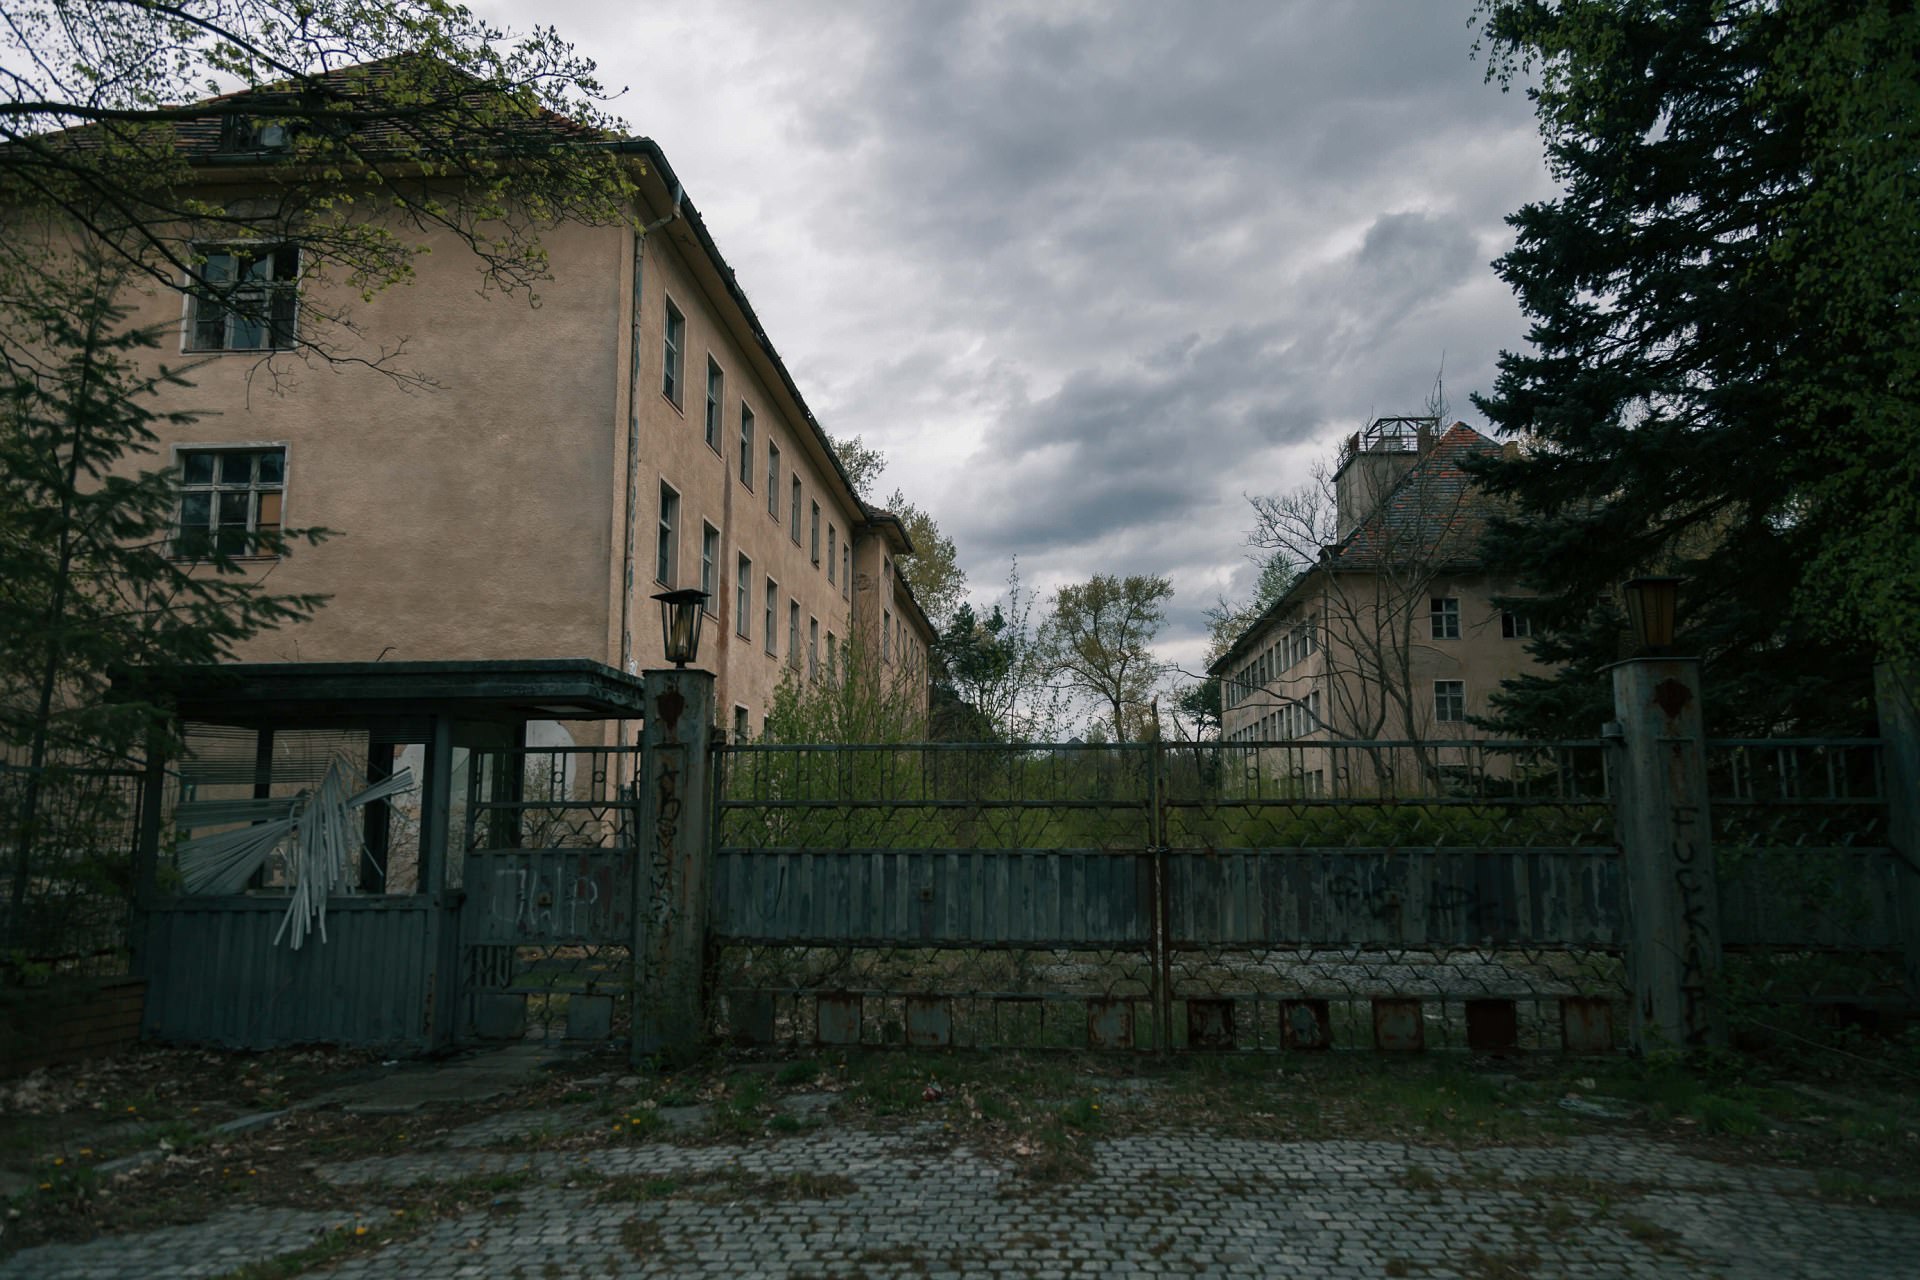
[1090, 273]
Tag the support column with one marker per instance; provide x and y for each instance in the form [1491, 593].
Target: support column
[1666, 836]
[1900, 730]
[675, 851]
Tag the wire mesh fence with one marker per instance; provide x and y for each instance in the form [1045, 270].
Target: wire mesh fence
[67, 837]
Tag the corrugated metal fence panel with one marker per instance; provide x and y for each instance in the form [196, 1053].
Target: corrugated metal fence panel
[1820, 898]
[1395, 897]
[215, 976]
[549, 896]
[943, 897]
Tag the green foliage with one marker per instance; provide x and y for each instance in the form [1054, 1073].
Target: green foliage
[1724, 376]
[859, 699]
[394, 119]
[1099, 640]
[89, 586]
[993, 677]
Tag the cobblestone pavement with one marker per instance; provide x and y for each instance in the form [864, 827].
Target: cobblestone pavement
[843, 1201]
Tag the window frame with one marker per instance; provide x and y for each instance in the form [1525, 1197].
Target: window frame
[1455, 694]
[1443, 617]
[673, 355]
[793, 633]
[833, 551]
[255, 489]
[666, 547]
[813, 536]
[743, 596]
[746, 446]
[716, 401]
[1515, 625]
[771, 618]
[773, 480]
[793, 506]
[710, 568]
[199, 292]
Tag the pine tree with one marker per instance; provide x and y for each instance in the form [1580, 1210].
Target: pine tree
[1725, 355]
[93, 583]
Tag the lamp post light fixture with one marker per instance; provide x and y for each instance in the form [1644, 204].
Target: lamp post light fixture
[680, 614]
[1651, 604]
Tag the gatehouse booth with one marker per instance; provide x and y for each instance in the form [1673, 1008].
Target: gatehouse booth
[401, 856]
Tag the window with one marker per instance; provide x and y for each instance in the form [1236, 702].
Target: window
[815, 535]
[813, 646]
[773, 480]
[710, 567]
[716, 392]
[793, 511]
[228, 499]
[793, 633]
[846, 570]
[1444, 611]
[1450, 700]
[244, 298]
[1515, 626]
[740, 726]
[833, 653]
[668, 550]
[886, 635]
[670, 354]
[746, 446]
[833, 551]
[742, 601]
[773, 605]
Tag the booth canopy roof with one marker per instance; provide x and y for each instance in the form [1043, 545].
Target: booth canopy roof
[288, 692]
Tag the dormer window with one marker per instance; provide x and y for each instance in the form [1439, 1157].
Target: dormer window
[244, 298]
[240, 134]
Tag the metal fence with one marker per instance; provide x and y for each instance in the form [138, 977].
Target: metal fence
[1144, 895]
[548, 868]
[66, 875]
[1808, 882]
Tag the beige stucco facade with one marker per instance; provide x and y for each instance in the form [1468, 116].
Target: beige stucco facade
[505, 497]
[1402, 643]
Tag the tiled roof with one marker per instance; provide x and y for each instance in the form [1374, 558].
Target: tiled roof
[408, 104]
[1433, 514]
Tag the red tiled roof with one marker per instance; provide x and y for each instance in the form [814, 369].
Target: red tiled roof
[1434, 513]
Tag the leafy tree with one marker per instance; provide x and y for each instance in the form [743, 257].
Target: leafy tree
[1724, 379]
[993, 676]
[92, 580]
[1226, 620]
[1099, 640]
[363, 126]
[1199, 703]
[933, 571]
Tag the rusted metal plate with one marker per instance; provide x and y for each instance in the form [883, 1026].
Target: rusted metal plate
[1109, 1024]
[929, 1021]
[1397, 1025]
[1210, 1024]
[750, 1016]
[836, 1018]
[1305, 1025]
[1586, 1024]
[589, 1017]
[1493, 1026]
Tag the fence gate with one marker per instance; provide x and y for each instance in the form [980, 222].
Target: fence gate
[1200, 896]
[547, 875]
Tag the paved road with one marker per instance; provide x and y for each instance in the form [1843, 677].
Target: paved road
[847, 1202]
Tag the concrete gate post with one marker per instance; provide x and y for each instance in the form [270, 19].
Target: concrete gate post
[670, 918]
[1666, 837]
[1900, 730]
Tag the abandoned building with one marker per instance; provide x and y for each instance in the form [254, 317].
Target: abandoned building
[540, 472]
[1394, 634]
